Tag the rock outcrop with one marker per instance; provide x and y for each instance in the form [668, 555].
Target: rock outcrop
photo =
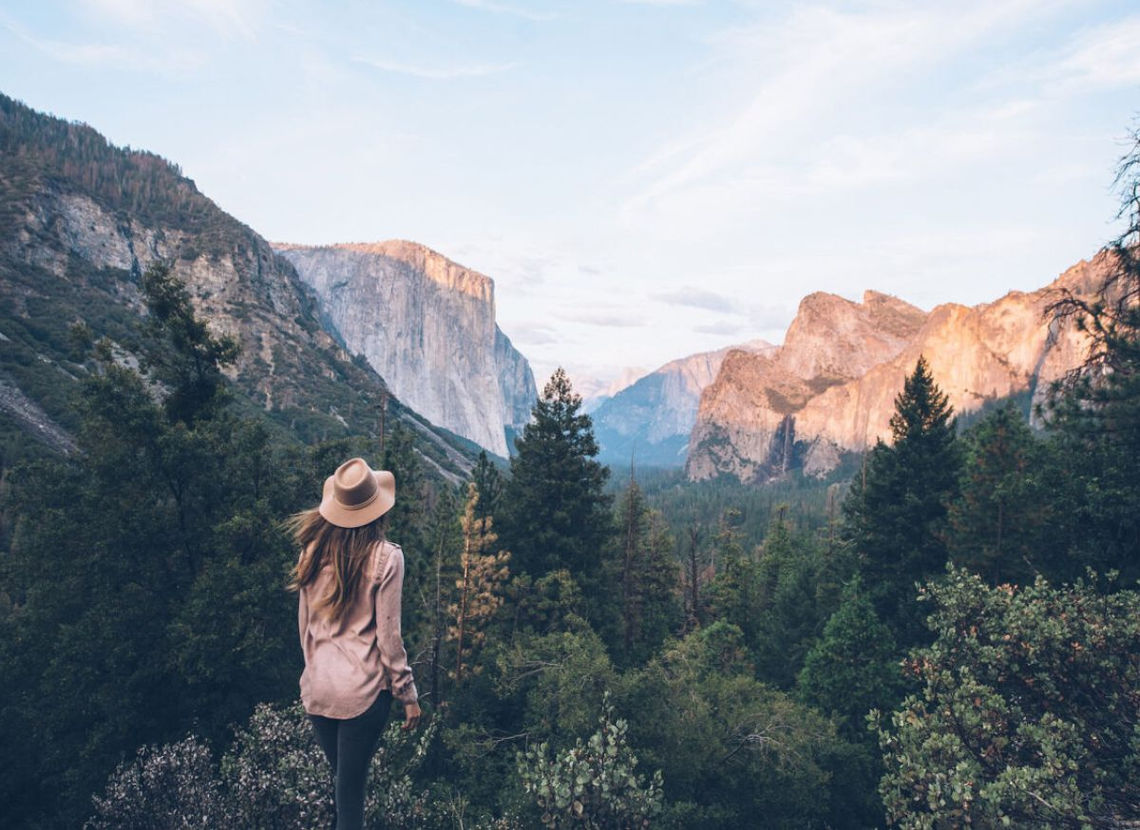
[427, 325]
[831, 387]
[649, 421]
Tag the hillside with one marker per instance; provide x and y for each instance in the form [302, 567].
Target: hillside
[81, 219]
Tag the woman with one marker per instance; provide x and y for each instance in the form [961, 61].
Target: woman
[350, 578]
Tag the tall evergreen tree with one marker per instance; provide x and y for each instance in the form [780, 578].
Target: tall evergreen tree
[489, 484]
[998, 520]
[649, 578]
[895, 513]
[556, 513]
[1096, 415]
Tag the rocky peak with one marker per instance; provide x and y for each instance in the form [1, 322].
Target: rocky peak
[833, 339]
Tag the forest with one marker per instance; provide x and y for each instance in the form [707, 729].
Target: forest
[952, 638]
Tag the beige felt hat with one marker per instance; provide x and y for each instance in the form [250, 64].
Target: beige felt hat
[356, 494]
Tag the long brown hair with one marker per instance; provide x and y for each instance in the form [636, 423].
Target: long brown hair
[347, 549]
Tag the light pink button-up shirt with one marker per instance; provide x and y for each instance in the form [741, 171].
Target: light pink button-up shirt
[348, 662]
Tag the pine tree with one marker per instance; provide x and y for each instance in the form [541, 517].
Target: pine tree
[481, 583]
[1000, 516]
[556, 513]
[648, 576]
[853, 668]
[895, 516]
[489, 484]
[1095, 415]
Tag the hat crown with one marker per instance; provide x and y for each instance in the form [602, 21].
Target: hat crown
[353, 483]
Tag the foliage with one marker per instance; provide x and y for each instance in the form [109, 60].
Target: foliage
[1027, 713]
[152, 560]
[191, 367]
[895, 514]
[853, 667]
[483, 574]
[593, 785]
[273, 777]
[279, 778]
[999, 520]
[557, 514]
[488, 482]
[172, 787]
[730, 749]
[648, 578]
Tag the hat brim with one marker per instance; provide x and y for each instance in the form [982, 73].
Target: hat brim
[336, 513]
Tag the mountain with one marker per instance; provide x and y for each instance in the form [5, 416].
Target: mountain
[81, 220]
[831, 387]
[596, 392]
[649, 420]
[427, 325]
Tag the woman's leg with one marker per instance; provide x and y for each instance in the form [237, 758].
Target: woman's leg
[356, 743]
[325, 730]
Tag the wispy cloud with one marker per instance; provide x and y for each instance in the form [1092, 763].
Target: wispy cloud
[615, 318]
[1105, 56]
[700, 298]
[532, 334]
[511, 10]
[723, 328]
[228, 18]
[437, 73]
[111, 55]
[798, 74]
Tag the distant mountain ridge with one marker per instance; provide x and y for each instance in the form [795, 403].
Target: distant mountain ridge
[831, 387]
[649, 421]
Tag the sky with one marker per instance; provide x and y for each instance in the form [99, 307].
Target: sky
[643, 179]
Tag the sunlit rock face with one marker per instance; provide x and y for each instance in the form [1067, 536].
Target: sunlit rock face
[427, 325]
[831, 387]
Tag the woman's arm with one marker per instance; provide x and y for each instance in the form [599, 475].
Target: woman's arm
[388, 636]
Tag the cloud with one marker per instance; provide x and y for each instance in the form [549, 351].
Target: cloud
[513, 11]
[615, 318]
[721, 329]
[700, 298]
[1102, 57]
[531, 334]
[437, 73]
[110, 55]
[801, 76]
[228, 18]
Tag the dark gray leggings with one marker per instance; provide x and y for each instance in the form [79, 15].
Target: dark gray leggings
[349, 745]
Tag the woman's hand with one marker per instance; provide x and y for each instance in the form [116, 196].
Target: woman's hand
[412, 715]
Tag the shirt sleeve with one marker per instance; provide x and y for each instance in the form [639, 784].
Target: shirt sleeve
[388, 637]
[302, 616]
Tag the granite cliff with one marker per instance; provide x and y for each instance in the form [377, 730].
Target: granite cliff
[831, 387]
[427, 325]
[649, 421]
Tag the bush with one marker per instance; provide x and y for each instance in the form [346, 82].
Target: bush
[273, 777]
[593, 785]
[167, 787]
